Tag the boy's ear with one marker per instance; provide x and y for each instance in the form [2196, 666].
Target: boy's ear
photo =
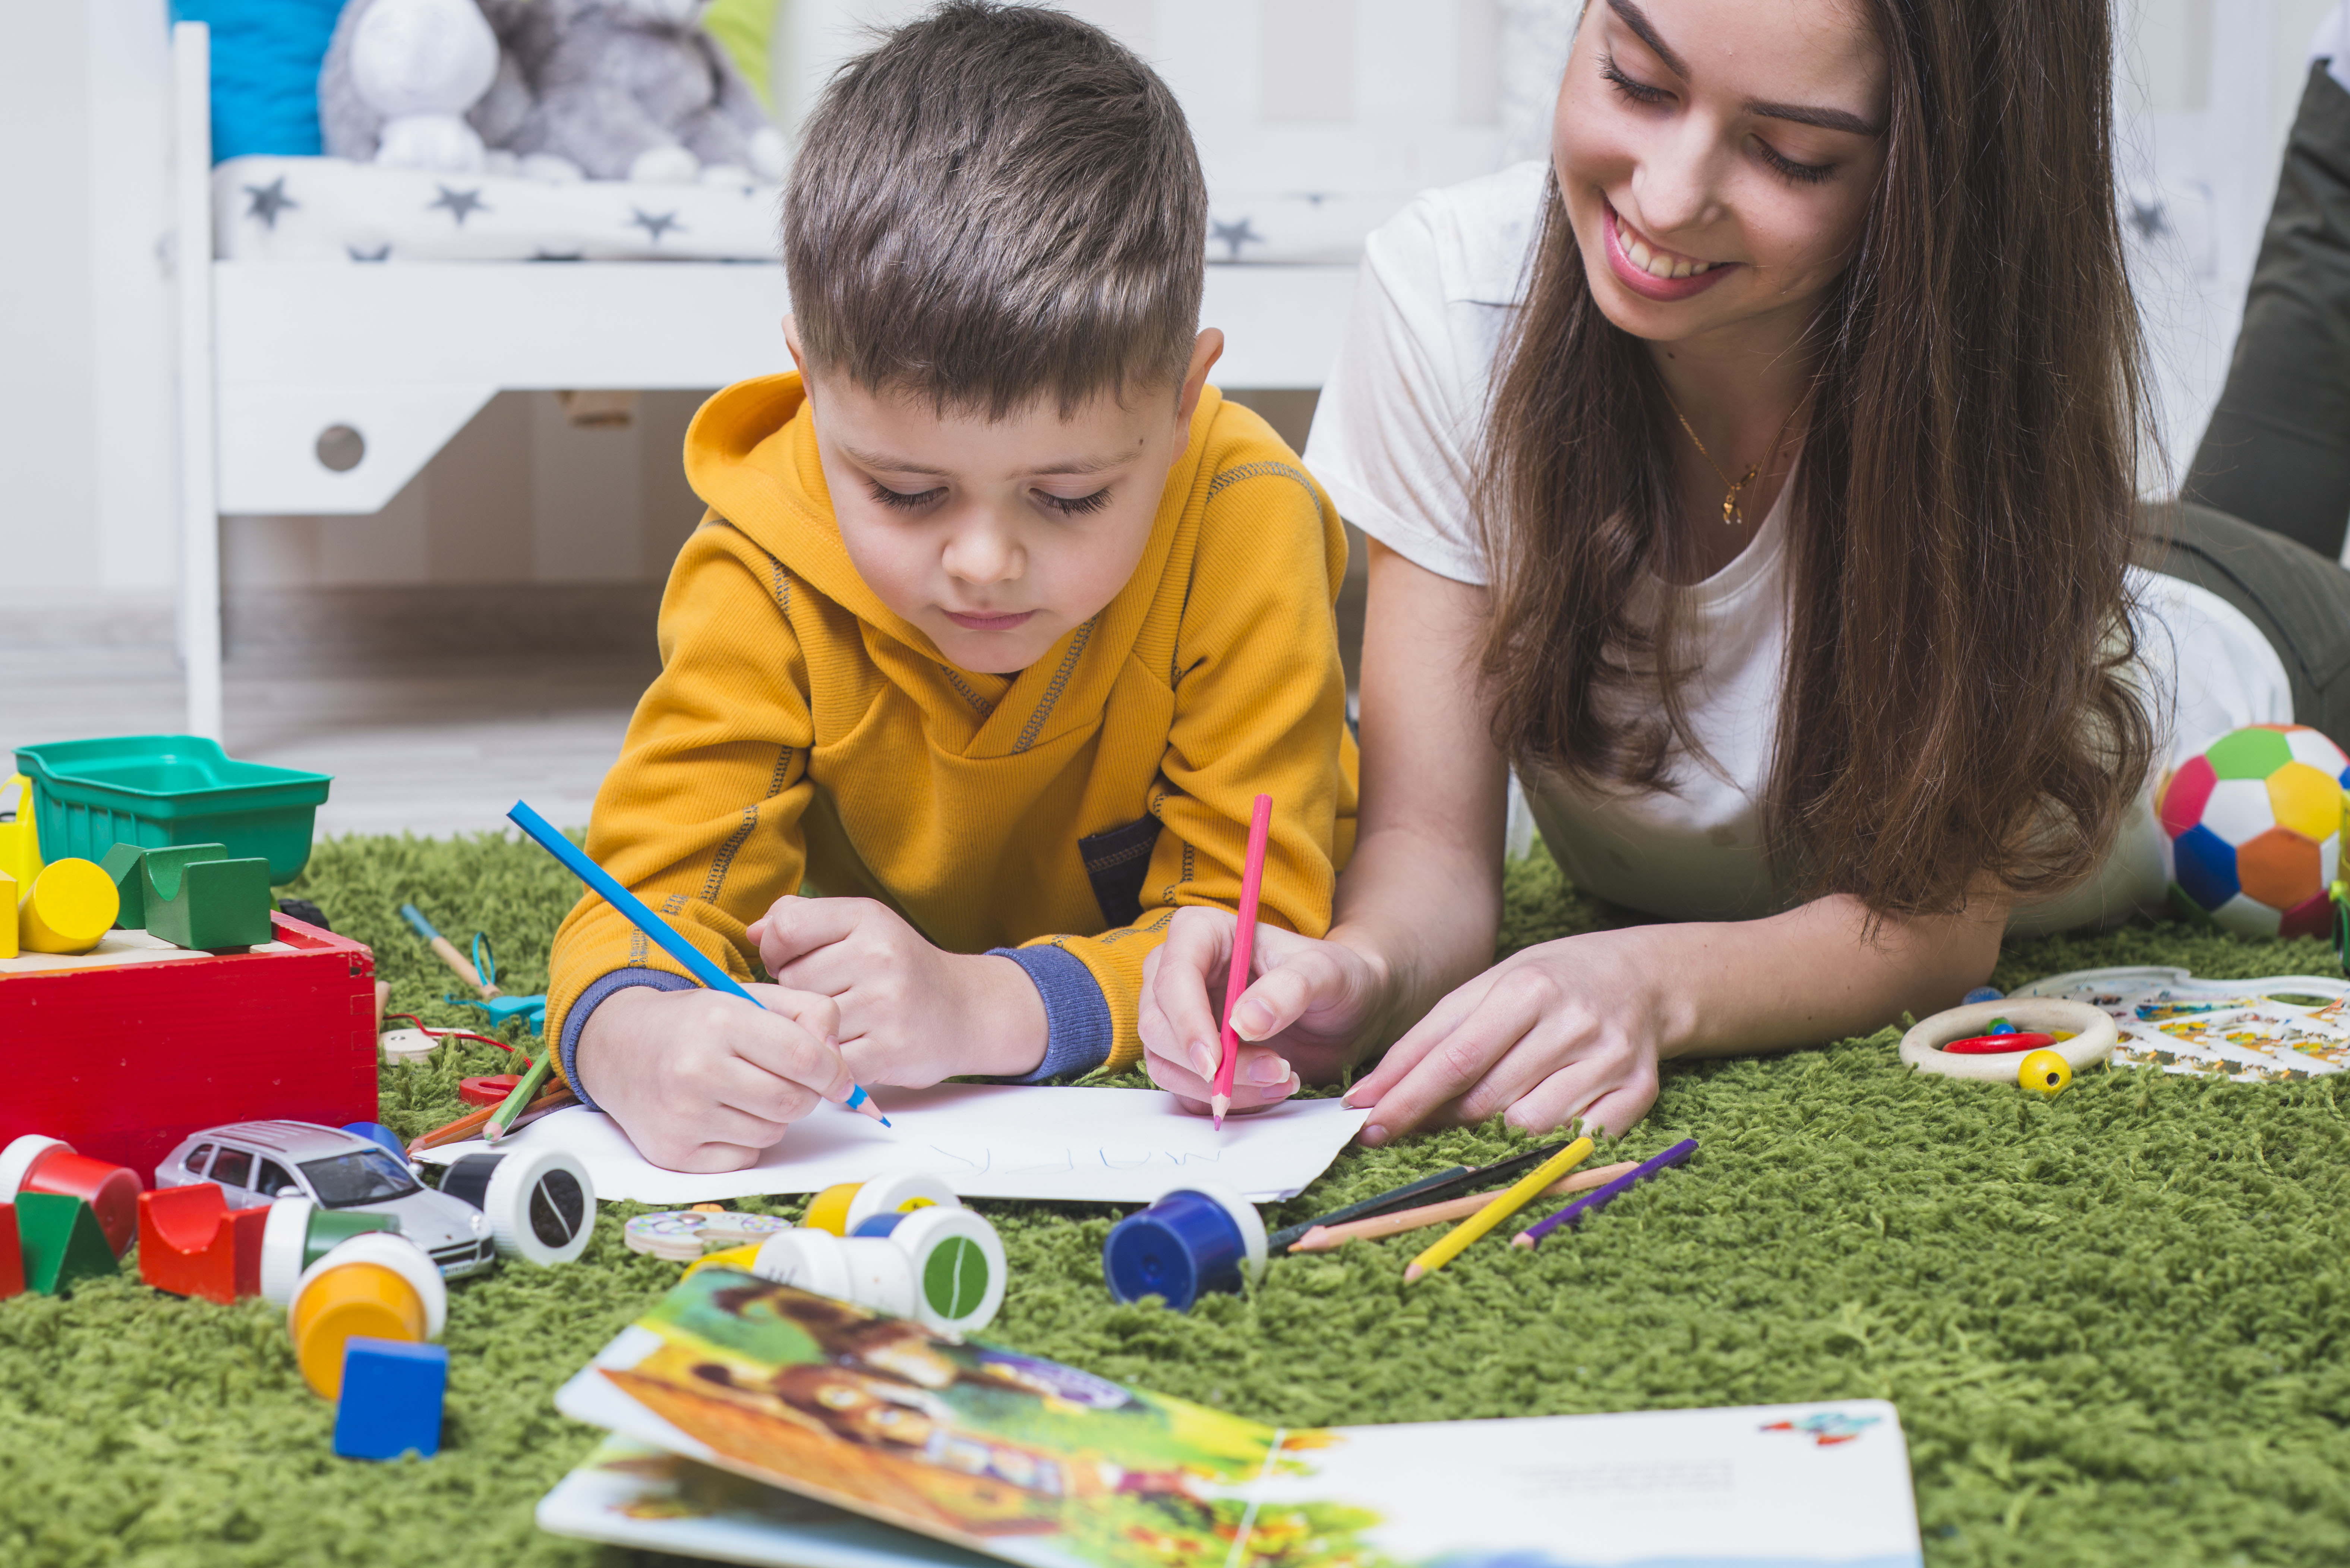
[799, 360]
[1206, 349]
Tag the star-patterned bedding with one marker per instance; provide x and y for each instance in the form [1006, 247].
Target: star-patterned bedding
[329, 209]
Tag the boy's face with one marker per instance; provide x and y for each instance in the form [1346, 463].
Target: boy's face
[997, 538]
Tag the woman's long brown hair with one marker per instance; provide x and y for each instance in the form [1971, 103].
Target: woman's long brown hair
[1956, 707]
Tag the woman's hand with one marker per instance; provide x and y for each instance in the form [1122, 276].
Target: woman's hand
[1307, 1015]
[1571, 1028]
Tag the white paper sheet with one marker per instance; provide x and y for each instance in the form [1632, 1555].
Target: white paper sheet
[988, 1140]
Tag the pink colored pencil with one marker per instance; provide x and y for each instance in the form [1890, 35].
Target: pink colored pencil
[1243, 947]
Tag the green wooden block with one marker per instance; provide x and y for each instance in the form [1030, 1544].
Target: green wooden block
[61, 1241]
[123, 864]
[197, 897]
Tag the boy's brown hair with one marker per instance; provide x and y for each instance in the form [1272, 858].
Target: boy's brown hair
[998, 203]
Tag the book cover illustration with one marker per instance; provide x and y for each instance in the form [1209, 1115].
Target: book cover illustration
[1045, 1466]
[2281, 1028]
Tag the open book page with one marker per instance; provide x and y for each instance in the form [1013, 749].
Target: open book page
[1048, 1467]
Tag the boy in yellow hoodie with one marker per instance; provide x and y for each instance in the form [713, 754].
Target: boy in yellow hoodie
[998, 622]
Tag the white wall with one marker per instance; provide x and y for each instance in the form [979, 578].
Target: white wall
[1348, 96]
[85, 318]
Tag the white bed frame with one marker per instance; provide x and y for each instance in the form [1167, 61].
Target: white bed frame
[272, 355]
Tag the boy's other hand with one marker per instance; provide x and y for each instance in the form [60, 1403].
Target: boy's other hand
[910, 1013]
[1300, 1018]
[702, 1083]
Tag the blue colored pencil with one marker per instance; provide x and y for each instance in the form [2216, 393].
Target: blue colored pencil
[1600, 1198]
[696, 962]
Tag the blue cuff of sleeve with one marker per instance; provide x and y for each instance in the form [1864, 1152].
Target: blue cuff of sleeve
[592, 998]
[1077, 1013]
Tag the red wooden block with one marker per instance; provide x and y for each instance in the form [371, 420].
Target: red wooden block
[186, 1245]
[123, 1061]
[12, 1254]
[249, 1224]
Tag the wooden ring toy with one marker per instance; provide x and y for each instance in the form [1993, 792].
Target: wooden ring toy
[2093, 1036]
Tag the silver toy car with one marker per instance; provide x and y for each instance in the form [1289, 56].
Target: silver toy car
[260, 1162]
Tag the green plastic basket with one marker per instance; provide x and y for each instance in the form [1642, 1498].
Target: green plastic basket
[160, 790]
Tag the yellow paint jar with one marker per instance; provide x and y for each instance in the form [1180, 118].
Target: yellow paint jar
[377, 1285]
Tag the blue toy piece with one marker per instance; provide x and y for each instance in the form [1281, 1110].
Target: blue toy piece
[391, 1398]
[380, 1136]
[531, 1009]
[1982, 993]
[1200, 1237]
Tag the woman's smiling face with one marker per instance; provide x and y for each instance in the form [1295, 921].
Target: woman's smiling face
[1717, 157]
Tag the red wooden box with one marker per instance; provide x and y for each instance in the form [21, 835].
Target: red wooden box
[124, 1060]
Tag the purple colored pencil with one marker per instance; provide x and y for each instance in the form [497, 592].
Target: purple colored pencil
[1600, 1198]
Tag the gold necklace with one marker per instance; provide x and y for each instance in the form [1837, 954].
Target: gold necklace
[1730, 512]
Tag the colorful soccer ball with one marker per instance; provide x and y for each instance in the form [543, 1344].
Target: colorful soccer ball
[2255, 829]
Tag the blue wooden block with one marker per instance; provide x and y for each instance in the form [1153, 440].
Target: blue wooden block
[392, 1392]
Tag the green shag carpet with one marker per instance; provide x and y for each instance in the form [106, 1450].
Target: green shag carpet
[2113, 1323]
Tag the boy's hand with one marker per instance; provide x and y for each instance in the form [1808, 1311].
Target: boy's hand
[1306, 1007]
[909, 1014]
[699, 1081]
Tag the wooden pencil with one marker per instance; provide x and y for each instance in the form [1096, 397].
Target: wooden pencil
[466, 1126]
[1457, 1240]
[1329, 1237]
[1228, 1045]
[1574, 1212]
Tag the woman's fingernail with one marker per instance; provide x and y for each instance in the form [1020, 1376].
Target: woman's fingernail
[1269, 1070]
[1204, 1059]
[1372, 1136]
[1253, 1020]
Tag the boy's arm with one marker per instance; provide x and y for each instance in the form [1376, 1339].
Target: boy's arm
[700, 816]
[1260, 708]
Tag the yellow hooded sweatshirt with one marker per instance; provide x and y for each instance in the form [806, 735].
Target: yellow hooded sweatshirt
[799, 731]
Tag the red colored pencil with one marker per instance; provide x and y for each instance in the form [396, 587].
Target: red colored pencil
[1244, 944]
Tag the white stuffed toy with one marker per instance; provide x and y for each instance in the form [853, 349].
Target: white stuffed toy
[398, 78]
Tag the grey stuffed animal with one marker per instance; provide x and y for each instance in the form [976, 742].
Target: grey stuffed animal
[634, 90]
[618, 89]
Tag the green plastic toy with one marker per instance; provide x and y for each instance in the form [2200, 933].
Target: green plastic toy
[62, 1241]
[194, 896]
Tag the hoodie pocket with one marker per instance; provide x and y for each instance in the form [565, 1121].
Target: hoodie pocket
[1116, 860]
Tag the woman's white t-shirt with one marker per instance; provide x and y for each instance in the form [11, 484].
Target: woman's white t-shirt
[1395, 442]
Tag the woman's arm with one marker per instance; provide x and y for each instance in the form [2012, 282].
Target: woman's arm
[1577, 1027]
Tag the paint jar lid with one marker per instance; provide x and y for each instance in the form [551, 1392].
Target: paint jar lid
[540, 1202]
[958, 1267]
[1199, 1237]
[402, 1257]
[806, 1259]
[16, 1161]
[900, 1192]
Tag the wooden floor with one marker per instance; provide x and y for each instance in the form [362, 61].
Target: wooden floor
[416, 745]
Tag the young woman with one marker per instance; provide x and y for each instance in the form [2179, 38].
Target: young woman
[1757, 480]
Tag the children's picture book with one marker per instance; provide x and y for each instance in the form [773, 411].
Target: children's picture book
[2284, 1027]
[964, 1447]
[988, 1140]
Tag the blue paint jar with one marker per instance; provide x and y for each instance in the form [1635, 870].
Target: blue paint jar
[1195, 1238]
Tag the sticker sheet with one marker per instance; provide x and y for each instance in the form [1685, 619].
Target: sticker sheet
[2282, 1028]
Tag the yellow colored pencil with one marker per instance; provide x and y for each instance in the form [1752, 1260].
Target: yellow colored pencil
[1329, 1237]
[1457, 1240]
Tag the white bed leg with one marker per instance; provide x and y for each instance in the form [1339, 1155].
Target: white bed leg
[200, 584]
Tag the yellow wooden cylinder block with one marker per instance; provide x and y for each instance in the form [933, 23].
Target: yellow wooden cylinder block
[7, 916]
[70, 905]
